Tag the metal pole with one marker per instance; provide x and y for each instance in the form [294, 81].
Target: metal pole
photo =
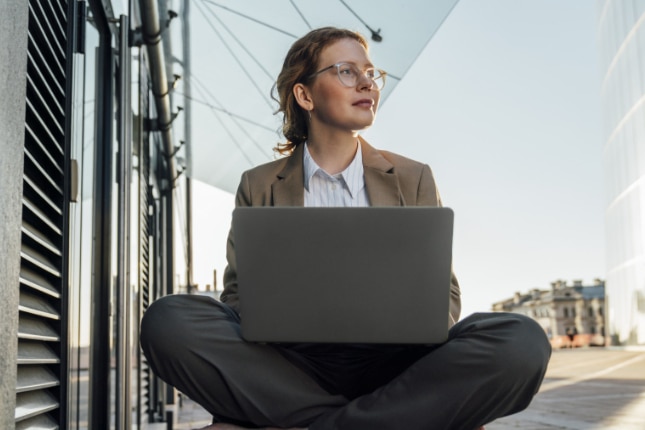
[169, 257]
[122, 389]
[151, 27]
[168, 234]
[99, 372]
[189, 234]
[188, 138]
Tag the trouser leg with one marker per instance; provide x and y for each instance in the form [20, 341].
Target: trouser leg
[193, 343]
[491, 366]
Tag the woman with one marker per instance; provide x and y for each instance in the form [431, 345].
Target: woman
[491, 365]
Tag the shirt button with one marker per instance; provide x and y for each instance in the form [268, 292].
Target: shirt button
[333, 186]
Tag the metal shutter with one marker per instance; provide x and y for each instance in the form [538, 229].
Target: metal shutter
[145, 273]
[40, 346]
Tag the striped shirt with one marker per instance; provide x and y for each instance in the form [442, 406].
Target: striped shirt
[340, 368]
[346, 188]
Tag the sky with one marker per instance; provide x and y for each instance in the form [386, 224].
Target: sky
[504, 106]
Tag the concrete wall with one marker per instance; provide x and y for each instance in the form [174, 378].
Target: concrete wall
[13, 69]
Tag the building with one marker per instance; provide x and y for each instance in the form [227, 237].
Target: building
[621, 38]
[87, 203]
[571, 315]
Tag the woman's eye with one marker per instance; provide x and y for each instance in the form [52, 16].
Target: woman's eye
[346, 71]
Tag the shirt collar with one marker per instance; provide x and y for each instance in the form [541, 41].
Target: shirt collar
[355, 169]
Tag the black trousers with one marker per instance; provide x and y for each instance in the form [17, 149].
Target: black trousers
[491, 366]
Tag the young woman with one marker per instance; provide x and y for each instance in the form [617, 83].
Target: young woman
[491, 365]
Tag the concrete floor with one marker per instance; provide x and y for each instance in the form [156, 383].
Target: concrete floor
[587, 389]
[584, 389]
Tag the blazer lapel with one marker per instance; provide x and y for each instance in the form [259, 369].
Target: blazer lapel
[380, 180]
[288, 189]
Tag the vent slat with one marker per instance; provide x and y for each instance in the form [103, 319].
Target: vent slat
[33, 138]
[36, 353]
[43, 196]
[41, 422]
[33, 208]
[34, 280]
[34, 403]
[42, 22]
[36, 329]
[39, 238]
[47, 105]
[42, 172]
[38, 260]
[60, 14]
[32, 378]
[39, 306]
[38, 59]
[53, 136]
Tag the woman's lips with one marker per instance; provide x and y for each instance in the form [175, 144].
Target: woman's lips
[367, 103]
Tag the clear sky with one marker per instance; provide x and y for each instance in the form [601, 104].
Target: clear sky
[504, 106]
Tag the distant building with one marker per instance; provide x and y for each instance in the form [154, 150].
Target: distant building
[571, 315]
[621, 37]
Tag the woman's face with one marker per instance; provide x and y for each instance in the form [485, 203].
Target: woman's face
[336, 106]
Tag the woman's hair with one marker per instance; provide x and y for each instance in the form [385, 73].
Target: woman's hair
[300, 63]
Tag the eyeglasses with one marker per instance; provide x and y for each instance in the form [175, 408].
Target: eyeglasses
[350, 75]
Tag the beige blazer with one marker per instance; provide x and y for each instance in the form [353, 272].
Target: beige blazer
[390, 180]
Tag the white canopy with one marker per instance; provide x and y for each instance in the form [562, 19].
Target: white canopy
[237, 51]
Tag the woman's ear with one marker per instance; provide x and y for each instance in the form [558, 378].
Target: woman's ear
[303, 96]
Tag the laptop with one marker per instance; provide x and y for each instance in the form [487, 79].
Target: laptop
[344, 275]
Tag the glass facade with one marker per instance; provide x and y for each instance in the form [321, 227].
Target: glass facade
[118, 250]
[621, 39]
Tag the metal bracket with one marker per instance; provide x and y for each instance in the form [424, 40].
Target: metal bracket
[136, 37]
[153, 124]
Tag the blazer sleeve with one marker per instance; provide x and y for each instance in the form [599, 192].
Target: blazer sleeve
[230, 294]
[428, 195]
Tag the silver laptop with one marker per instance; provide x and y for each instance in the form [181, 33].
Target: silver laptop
[341, 275]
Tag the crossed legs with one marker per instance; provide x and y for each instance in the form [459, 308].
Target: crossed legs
[491, 366]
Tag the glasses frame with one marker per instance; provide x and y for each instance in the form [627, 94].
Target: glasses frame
[382, 75]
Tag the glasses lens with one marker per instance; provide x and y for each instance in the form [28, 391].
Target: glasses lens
[349, 75]
[379, 79]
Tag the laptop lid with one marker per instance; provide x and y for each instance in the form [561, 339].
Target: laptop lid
[340, 275]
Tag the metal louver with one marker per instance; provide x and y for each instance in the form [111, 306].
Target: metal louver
[40, 348]
[145, 232]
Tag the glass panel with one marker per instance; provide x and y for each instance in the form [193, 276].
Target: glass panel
[621, 36]
[134, 242]
[83, 131]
